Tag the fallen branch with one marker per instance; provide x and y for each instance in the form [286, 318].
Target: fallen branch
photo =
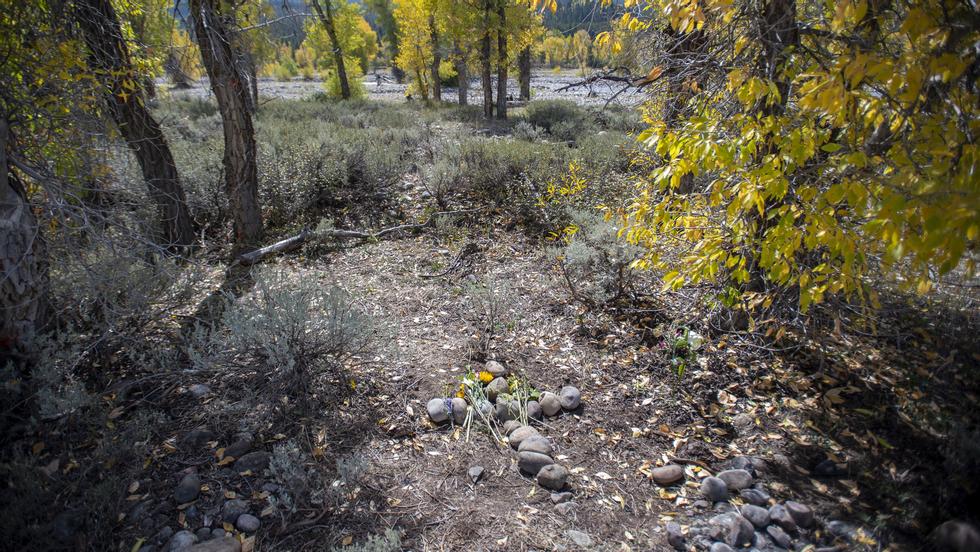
[293, 242]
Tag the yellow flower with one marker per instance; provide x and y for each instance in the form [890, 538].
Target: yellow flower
[462, 392]
[486, 377]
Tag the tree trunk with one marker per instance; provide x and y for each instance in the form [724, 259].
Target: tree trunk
[251, 75]
[436, 60]
[326, 17]
[524, 65]
[109, 56]
[502, 59]
[214, 38]
[23, 266]
[485, 69]
[462, 75]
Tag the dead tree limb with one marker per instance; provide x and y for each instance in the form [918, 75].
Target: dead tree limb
[293, 242]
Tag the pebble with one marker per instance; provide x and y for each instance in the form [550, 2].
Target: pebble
[239, 448]
[714, 489]
[829, 468]
[232, 509]
[553, 477]
[736, 479]
[721, 547]
[511, 425]
[534, 410]
[566, 508]
[496, 388]
[188, 489]
[569, 397]
[755, 496]
[196, 439]
[579, 538]
[203, 534]
[732, 528]
[675, 537]
[779, 536]
[217, 533]
[535, 443]
[517, 436]
[226, 544]
[558, 498]
[801, 513]
[531, 462]
[495, 368]
[550, 404]
[485, 408]
[199, 390]
[438, 410]
[254, 462]
[458, 407]
[701, 504]
[181, 541]
[507, 410]
[667, 475]
[475, 473]
[163, 535]
[957, 535]
[842, 529]
[780, 516]
[757, 515]
[247, 523]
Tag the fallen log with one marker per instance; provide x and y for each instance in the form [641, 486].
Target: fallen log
[293, 242]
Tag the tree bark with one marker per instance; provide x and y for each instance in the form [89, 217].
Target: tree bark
[462, 75]
[23, 265]
[524, 65]
[326, 17]
[109, 56]
[485, 68]
[502, 59]
[436, 59]
[212, 28]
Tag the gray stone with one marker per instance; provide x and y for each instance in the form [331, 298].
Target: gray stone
[569, 397]
[188, 489]
[558, 498]
[724, 507]
[507, 410]
[247, 523]
[721, 547]
[731, 528]
[801, 513]
[757, 515]
[957, 536]
[535, 443]
[517, 436]
[199, 390]
[780, 516]
[550, 404]
[225, 544]
[475, 473]
[714, 489]
[566, 508]
[579, 538]
[217, 533]
[495, 368]
[203, 534]
[270, 487]
[196, 439]
[755, 496]
[779, 536]
[829, 468]
[553, 477]
[485, 408]
[511, 425]
[745, 463]
[736, 479]
[531, 463]
[254, 462]
[232, 509]
[841, 529]
[438, 410]
[163, 535]
[239, 448]
[496, 388]
[675, 536]
[534, 411]
[667, 475]
[701, 504]
[458, 410]
[744, 423]
[181, 541]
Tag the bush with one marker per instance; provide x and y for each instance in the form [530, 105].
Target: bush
[595, 263]
[526, 131]
[562, 119]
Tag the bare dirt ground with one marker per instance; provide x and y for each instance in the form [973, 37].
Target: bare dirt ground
[545, 85]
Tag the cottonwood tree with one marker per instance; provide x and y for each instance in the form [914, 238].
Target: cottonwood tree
[214, 24]
[109, 58]
[826, 140]
[325, 11]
